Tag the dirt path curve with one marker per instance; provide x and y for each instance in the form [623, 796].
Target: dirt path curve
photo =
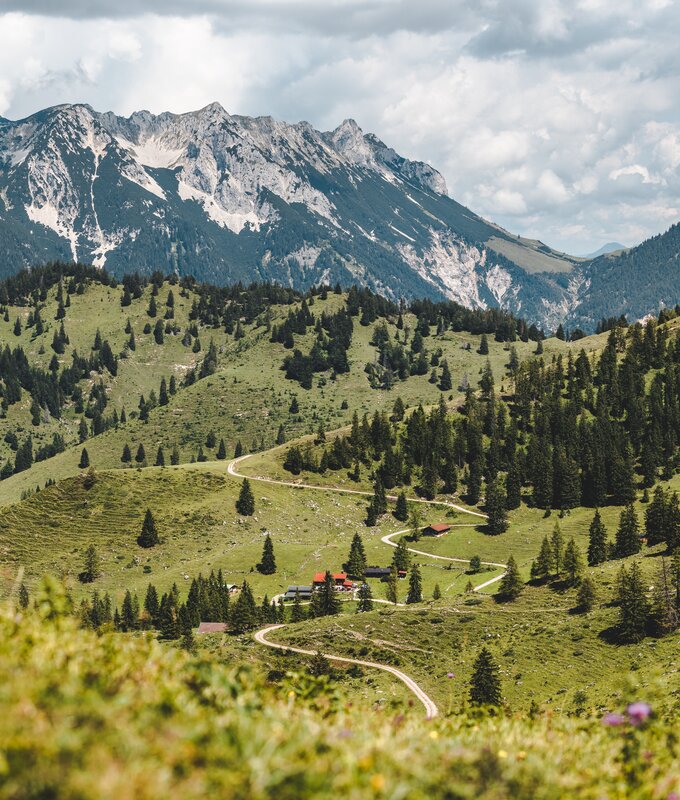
[261, 635]
[431, 709]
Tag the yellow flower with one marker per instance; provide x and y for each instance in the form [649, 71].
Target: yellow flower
[502, 754]
[377, 782]
[434, 735]
[365, 762]
[521, 755]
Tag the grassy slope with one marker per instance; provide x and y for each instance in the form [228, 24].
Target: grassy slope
[311, 529]
[248, 398]
[190, 728]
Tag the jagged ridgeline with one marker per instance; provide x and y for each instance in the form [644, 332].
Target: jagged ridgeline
[85, 354]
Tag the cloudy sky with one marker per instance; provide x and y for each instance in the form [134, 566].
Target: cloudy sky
[558, 119]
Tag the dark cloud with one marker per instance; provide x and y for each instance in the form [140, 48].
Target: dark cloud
[335, 17]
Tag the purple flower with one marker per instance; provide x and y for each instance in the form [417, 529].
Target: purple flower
[638, 712]
[450, 675]
[613, 720]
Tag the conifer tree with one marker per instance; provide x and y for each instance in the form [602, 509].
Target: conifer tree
[415, 521]
[511, 584]
[586, 594]
[401, 557]
[356, 561]
[513, 487]
[84, 460]
[149, 535]
[573, 562]
[186, 629]
[267, 565]
[557, 547]
[238, 450]
[160, 457]
[129, 617]
[437, 592]
[174, 456]
[544, 564]
[371, 514]
[328, 597]
[163, 398]
[365, 598]
[475, 564]
[23, 596]
[151, 605]
[483, 346]
[485, 684]
[91, 565]
[221, 451]
[126, 457]
[297, 612]
[628, 534]
[445, 382]
[598, 548]
[497, 515]
[245, 505]
[633, 604]
[244, 614]
[392, 592]
[140, 456]
[415, 586]
[401, 509]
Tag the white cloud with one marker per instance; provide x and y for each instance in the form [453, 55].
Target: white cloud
[556, 118]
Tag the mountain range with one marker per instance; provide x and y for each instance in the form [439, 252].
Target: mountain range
[229, 198]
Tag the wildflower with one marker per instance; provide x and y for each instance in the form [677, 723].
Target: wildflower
[450, 675]
[377, 782]
[613, 720]
[638, 712]
[502, 754]
[434, 735]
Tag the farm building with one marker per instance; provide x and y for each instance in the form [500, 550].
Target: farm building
[342, 583]
[304, 592]
[378, 572]
[212, 627]
[437, 529]
[382, 572]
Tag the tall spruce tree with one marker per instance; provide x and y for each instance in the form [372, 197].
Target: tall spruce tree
[497, 515]
[573, 562]
[401, 557]
[328, 597]
[485, 683]
[415, 586]
[392, 590]
[598, 547]
[365, 598]
[557, 547]
[628, 534]
[586, 594]
[245, 505]
[356, 562]
[633, 604]
[91, 565]
[244, 616]
[511, 584]
[267, 565]
[544, 564]
[401, 509]
[149, 535]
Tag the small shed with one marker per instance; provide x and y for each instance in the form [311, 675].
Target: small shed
[212, 627]
[437, 529]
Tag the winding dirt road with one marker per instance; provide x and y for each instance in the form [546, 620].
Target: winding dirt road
[431, 709]
[261, 635]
